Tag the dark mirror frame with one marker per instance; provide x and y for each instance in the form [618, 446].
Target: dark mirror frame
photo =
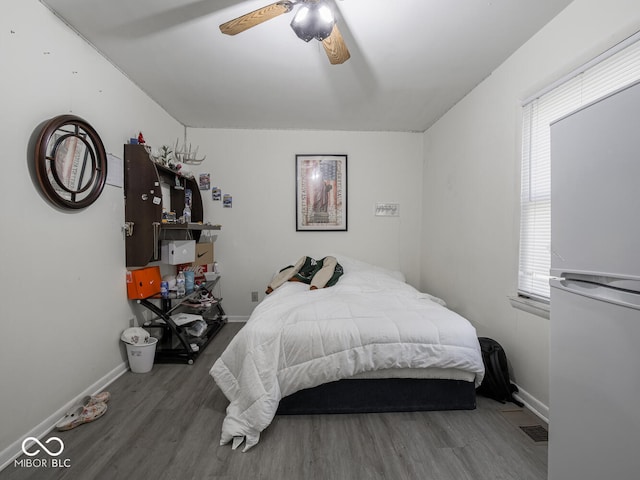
[53, 139]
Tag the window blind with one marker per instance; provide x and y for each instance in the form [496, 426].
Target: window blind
[615, 69]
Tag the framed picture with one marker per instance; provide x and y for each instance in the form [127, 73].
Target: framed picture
[321, 193]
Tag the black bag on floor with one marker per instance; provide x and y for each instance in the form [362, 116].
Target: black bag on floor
[496, 383]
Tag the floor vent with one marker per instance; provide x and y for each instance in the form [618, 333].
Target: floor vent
[537, 432]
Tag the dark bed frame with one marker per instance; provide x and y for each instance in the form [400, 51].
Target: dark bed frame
[381, 395]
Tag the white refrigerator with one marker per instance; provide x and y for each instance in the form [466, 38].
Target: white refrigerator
[594, 371]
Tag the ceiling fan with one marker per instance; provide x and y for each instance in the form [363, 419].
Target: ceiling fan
[313, 19]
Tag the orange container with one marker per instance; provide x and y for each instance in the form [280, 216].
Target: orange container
[143, 283]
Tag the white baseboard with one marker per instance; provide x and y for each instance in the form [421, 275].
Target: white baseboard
[13, 451]
[532, 403]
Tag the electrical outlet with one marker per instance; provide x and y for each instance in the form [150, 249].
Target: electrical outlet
[254, 296]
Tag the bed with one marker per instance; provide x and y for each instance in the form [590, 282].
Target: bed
[370, 343]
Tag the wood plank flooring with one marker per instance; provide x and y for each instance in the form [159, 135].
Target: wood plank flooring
[166, 425]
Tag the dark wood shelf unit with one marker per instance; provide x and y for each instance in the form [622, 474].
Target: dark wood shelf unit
[143, 181]
[143, 195]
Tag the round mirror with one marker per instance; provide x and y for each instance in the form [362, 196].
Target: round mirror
[71, 163]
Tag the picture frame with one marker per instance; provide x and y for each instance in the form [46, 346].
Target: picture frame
[321, 193]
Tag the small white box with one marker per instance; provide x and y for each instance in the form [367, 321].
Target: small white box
[176, 252]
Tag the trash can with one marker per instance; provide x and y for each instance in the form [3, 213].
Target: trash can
[141, 349]
[141, 355]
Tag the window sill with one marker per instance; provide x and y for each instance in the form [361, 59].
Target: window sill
[528, 305]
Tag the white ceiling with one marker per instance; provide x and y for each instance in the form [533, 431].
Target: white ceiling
[411, 60]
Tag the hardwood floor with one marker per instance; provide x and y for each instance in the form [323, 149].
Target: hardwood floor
[166, 425]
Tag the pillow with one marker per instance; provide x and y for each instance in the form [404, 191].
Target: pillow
[352, 265]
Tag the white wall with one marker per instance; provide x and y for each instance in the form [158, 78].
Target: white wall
[63, 277]
[258, 233]
[471, 184]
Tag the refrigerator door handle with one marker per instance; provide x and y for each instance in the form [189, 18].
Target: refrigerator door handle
[603, 293]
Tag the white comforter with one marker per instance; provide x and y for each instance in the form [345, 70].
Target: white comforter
[299, 338]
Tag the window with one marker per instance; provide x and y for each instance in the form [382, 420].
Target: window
[615, 69]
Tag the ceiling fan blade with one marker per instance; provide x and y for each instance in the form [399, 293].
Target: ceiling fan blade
[240, 24]
[335, 47]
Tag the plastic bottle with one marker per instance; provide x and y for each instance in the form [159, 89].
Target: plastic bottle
[189, 281]
[180, 284]
[186, 215]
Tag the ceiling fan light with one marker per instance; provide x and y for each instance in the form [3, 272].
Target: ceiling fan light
[313, 21]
